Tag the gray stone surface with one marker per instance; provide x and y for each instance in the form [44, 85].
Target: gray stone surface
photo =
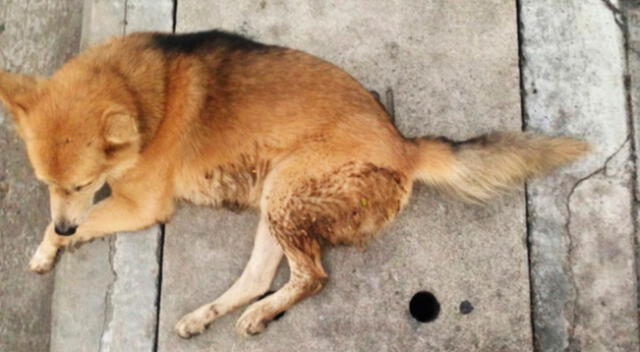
[105, 296]
[35, 37]
[582, 235]
[631, 10]
[453, 70]
[108, 18]
[82, 298]
[149, 15]
[102, 19]
[106, 293]
[134, 293]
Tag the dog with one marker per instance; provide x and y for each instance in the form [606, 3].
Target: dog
[220, 120]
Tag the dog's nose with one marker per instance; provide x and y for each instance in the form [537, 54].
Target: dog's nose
[65, 229]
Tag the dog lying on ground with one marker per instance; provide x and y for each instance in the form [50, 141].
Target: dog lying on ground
[220, 120]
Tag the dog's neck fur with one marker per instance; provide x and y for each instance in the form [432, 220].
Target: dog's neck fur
[141, 89]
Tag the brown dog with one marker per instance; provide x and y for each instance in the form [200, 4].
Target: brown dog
[218, 119]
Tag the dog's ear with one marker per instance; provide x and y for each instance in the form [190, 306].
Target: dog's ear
[17, 92]
[120, 128]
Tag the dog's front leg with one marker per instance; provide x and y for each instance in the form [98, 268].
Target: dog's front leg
[45, 256]
[121, 214]
[115, 214]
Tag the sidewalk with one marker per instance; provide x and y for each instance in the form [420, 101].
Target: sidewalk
[551, 268]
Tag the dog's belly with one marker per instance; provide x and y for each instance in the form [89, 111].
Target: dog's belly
[235, 185]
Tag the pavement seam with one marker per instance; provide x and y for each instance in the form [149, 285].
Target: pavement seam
[174, 16]
[125, 21]
[160, 250]
[525, 117]
[629, 49]
[159, 256]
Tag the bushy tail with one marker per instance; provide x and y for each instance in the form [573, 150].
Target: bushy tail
[477, 169]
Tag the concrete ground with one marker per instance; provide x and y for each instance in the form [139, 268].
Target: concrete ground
[551, 268]
[36, 37]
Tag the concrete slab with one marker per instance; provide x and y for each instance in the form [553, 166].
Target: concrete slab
[582, 237]
[102, 19]
[147, 15]
[452, 68]
[35, 37]
[106, 294]
[631, 12]
[81, 300]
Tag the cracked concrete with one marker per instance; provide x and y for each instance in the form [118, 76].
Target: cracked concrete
[80, 298]
[617, 14]
[603, 259]
[581, 237]
[133, 296]
[105, 295]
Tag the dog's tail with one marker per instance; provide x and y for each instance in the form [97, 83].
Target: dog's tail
[477, 169]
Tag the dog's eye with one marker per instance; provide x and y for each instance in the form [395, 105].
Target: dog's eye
[80, 187]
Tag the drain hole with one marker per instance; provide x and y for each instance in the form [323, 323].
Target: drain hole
[269, 293]
[466, 307]
[424, 307]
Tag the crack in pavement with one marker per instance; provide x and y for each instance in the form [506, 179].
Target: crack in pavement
[618, 16]
[108, 304]
[611, 7]
[576, 291]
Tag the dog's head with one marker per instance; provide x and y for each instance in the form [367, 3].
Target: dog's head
[77, 135]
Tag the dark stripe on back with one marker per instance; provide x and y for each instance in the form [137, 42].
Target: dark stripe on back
[192, 42]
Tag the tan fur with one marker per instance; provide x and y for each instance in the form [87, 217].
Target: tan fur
[232, 123]
[481, 168]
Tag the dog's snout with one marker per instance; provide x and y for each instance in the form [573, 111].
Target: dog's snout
[65, 229]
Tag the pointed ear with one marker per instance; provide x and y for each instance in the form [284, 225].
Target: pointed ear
[17, 91]
[120, 127]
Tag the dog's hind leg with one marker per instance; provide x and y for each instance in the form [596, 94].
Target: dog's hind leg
[254, 281]
[303, 253]
[344, 204]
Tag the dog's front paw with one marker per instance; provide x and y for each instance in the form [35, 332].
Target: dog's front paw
[252, 321]
[42, 261]
[190, 325]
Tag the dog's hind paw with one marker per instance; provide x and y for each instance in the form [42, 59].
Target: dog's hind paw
[252, 322]
[190, 325]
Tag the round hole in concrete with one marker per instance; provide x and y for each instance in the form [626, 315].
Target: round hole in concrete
[269, 293]
[466, 307]
[424, 307]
